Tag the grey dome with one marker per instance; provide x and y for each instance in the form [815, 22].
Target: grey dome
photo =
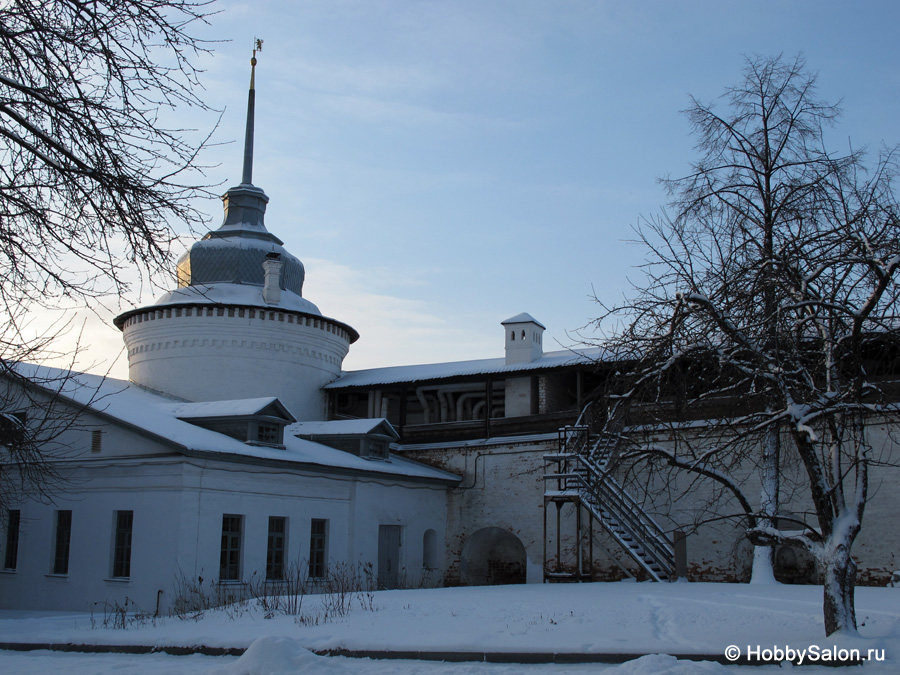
[236, 251]
[236, 260]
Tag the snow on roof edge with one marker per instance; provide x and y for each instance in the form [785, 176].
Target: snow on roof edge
[438, 371]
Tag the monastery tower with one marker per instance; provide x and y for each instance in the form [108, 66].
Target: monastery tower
[237, 325]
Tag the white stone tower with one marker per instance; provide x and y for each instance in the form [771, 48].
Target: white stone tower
[237, 325]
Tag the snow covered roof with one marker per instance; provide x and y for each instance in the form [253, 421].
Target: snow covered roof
[524, 317]
[155, 415]
[243, 407]
[235, 294]
[359, 427]
[439, 371]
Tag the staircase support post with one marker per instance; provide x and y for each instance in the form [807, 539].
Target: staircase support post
[680, 548]
[545, 540]
[580, 541]
[558, 540]
[591, 546]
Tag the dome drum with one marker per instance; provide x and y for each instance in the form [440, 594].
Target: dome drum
[214, 352]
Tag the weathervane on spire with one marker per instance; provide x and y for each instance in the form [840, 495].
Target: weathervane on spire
[247, 178]
[257, 47]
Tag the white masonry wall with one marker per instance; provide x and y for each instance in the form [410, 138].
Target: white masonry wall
[178, 503]
[503, 492]
[226, 353]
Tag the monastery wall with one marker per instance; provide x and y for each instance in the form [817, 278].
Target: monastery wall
[496, 518]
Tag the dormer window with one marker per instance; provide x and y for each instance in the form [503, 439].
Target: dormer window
[253, 421]
[366, 438]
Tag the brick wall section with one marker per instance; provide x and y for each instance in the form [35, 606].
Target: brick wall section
[554, 392]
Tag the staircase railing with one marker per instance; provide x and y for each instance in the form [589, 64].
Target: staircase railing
[582, 467]
[620, 514]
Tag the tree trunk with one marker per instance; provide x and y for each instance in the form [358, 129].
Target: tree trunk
[763, 571]
[839, 584]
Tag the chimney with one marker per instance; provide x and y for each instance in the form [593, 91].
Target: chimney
[524, 338]
[272, 283]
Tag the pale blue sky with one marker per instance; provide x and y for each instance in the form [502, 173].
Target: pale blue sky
[441, 166]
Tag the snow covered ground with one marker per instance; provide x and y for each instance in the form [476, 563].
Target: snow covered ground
[618, 618]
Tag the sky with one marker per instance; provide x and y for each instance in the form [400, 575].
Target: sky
[442, 166]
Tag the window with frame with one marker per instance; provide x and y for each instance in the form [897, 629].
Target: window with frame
[268, 433]
[62, 542]
[11, 555]
[13, 430]
[377, 448]
[429, 549]
[318, 541]
[230, 558]
[275, 548]
[122, 546]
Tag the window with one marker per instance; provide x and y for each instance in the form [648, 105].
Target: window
[429, 549]
[378, 448]
[318, 539]
[275, 549]
[230, 559]
[63, 539]
[96, 440]
[267, 433]
[122, 548]
[13, 518]
[12, 428]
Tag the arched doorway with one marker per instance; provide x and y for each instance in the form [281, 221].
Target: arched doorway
[492, 556]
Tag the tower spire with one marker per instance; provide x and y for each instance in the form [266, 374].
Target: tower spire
[247, 177]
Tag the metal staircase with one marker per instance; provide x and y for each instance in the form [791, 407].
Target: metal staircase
[579, 474]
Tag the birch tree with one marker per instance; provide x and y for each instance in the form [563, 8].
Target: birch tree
[769, 312]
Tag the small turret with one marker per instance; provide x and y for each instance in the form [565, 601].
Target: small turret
[524, 338]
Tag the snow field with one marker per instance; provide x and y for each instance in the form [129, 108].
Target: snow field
[602, 618]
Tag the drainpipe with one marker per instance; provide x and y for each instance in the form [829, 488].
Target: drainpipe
[461, 403]
[442, 398]
[420, 394]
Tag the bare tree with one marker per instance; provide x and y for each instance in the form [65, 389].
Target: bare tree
[90, 179]
[770, 312]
